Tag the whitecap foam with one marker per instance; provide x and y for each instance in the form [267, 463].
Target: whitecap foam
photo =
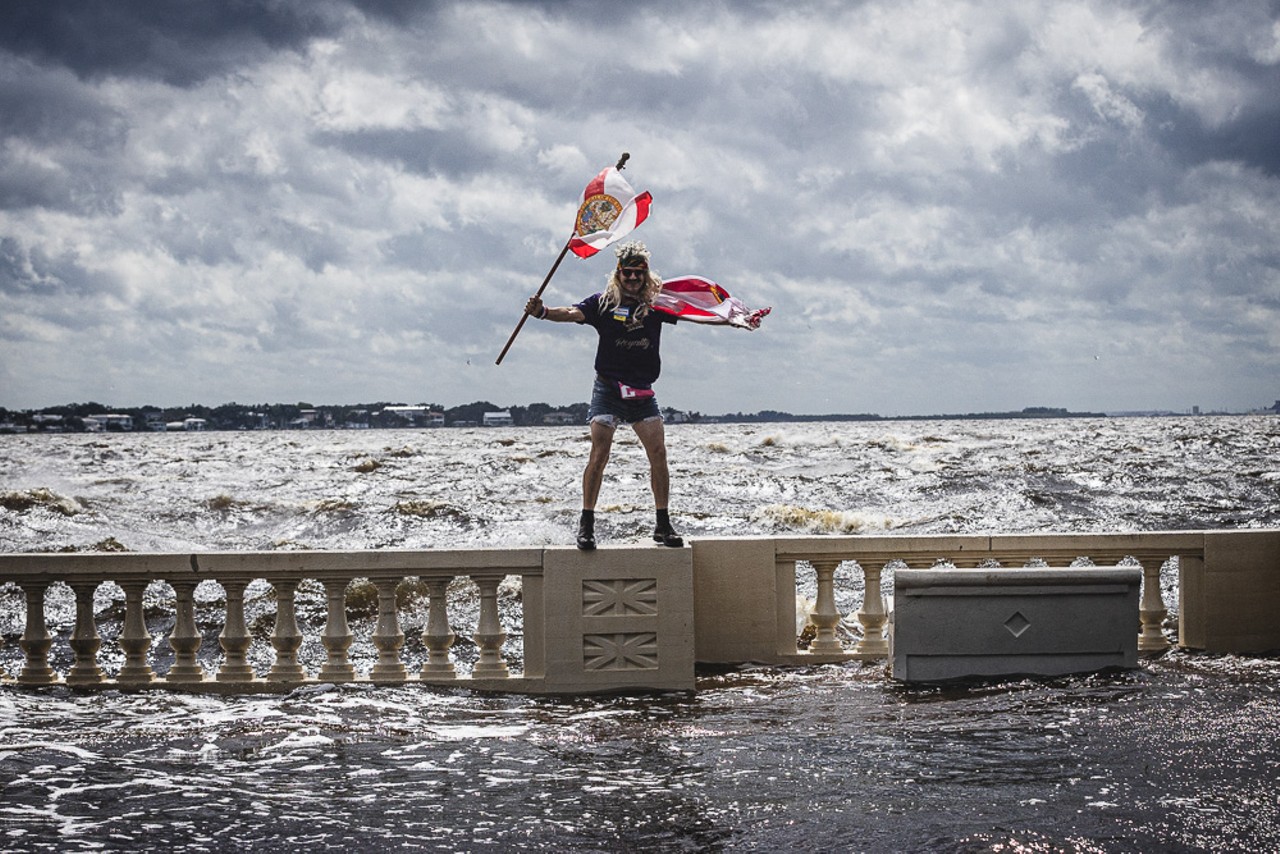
[299, 741]
[472, 732]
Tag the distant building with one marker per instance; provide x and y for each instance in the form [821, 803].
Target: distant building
[113, 422]
[357, 419]
[188, 424]
[413, 416]
[498, 419]
[558, 418]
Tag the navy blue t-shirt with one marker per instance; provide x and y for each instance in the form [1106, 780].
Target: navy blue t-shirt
[627, 354]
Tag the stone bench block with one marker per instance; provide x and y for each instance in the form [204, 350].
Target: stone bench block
[952, 624]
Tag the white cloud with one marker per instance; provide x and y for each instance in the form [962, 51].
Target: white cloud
[1107, 103]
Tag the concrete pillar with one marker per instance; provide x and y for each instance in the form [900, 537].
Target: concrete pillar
[185, 639]
[739, 594]
[872, 615]
[337, 634]
[618, 618]
[134, 638]
[825, 617]
[287, 637]
[438, 635]
[235, 639]
[85, 641]
[388, 637]
[489, 635]
[1230, 601]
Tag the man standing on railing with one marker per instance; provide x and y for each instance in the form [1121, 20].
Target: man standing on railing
[627, 364]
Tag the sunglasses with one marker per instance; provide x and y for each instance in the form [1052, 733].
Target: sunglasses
[632, 271]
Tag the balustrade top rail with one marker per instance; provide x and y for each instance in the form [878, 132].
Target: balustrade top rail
[968, 551]
[247, 566]
[964, 551]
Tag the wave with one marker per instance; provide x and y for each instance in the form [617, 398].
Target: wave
[40, 498]
[789, 516]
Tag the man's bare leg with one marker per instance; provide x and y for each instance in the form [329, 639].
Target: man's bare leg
[653, 437]
[592, 478]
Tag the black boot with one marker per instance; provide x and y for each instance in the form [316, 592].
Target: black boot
[587, 531]
[665, 534]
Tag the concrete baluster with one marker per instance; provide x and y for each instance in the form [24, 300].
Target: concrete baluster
[1152, 611]
[287, 637]
[437, 636]
[185, 639]
[36, 640]
[337, 635]
[135, 640]
[825, 617]
[85, 641]
[489, 634]
[872, 616]
[235, 639]
[388, 637]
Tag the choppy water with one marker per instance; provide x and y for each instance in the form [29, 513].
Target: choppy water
[1181, 755]
[452, 488]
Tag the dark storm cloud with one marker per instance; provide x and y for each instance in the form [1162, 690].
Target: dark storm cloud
[178, 41]
[48, 112]
[1253, 138]
[454, 154]
[47, 108]
[63, 290]
[1237, 40]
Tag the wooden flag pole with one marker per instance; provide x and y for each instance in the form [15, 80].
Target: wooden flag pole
[622, 161]
[525, 317]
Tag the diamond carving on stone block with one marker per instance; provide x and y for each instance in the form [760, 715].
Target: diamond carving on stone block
[620, 597]
[1017, 624]
[638, 651]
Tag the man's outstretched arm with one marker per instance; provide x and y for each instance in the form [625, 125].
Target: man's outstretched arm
[564, 314]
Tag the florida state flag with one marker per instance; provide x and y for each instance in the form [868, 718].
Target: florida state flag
[703, 301]
[608, 211]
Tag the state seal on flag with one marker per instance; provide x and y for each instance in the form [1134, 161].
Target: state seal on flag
[597, 213]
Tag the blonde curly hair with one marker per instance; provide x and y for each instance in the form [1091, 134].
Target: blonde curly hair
[631, 254]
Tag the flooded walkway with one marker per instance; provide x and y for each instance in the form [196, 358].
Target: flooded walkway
[1181, 755]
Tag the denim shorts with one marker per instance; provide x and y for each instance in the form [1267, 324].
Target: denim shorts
[608, 407]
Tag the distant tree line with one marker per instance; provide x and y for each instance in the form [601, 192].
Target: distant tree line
[76, 417]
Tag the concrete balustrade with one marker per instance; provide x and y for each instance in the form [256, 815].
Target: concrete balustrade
[617, 619]
[623, 621]
[1229, 587]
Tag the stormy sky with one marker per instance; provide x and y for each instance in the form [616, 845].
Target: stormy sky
[950, 206]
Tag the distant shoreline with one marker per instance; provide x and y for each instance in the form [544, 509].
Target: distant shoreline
[99, 418]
